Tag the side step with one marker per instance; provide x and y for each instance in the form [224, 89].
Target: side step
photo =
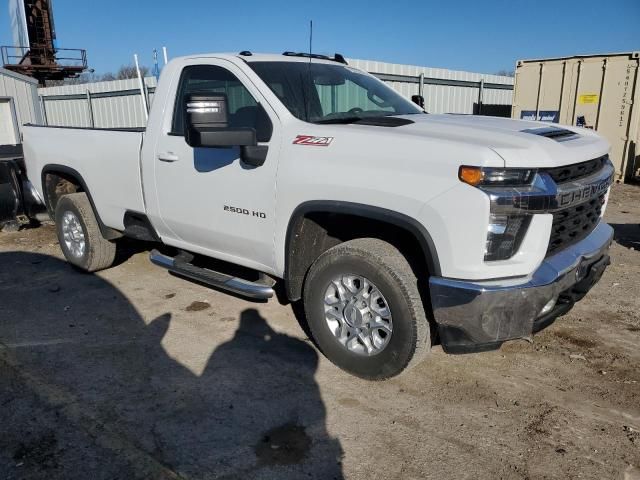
[255, 290]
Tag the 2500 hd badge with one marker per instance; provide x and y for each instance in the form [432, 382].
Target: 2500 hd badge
[244, 211]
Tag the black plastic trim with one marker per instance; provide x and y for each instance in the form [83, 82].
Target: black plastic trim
[53, 168]
[339, 58]
[138, 226]
[10, 151]
[455, 341]
[215, 137]
[367, 211]
[543, 322]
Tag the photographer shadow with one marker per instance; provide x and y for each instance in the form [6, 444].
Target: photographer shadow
[255, 411]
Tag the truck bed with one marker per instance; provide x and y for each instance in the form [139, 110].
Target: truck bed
[107, 160]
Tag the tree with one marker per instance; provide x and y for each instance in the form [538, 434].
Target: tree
[124, 72]
[505, 73]
[128, 71]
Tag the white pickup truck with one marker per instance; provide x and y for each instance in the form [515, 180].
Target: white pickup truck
[397, 229]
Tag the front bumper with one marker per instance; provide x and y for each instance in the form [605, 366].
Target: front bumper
[480, 316]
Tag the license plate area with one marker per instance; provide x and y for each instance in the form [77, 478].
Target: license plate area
[587, 275]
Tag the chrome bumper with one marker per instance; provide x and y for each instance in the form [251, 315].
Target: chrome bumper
[478, 316]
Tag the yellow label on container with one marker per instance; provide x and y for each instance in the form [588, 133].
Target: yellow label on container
[588, 98]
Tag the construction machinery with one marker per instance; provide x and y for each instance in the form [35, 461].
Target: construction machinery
[35, 52]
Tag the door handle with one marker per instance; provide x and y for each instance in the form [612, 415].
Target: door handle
[168, 157]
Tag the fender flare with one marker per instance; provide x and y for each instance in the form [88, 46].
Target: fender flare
[381, 214]
[53, 168]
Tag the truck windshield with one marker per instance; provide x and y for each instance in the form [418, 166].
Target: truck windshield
[322, 93]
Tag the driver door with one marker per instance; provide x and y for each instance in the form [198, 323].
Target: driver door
[209, 201]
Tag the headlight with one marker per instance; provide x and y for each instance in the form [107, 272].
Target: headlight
[504, 236]
[496, 177]
[505, 232]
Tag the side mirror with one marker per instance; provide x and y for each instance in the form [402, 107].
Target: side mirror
[418, 100]
[207, 124]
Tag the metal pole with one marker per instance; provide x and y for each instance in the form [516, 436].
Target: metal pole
[156, 68]
[44, 110]
[421, 87]
[540, 84]
[564, 74]
[143, 96]
[480, 96]
[573, 120]
[164, 54]
[602, 84]
[90, 110]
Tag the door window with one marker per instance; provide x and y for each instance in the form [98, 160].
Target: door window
[243, 109]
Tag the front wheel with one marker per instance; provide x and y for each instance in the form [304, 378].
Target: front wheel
[79, 234]
[364, 309]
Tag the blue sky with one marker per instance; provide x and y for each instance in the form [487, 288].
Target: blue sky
[483, 36]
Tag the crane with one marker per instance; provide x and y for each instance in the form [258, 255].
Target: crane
[35, 52]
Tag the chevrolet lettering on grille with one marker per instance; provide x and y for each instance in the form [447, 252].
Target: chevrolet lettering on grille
[544, 195]
[583, 193]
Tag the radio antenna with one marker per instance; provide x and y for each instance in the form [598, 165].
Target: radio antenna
[306, 90]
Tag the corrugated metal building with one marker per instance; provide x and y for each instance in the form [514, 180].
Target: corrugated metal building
[116, 104]
[444, 91]
[113, 104]
[18, 105]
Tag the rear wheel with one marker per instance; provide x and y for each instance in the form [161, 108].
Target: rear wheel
[79, 234]
[364, 309]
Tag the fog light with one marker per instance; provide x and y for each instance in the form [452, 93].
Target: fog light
[504, 236]
[548, 307]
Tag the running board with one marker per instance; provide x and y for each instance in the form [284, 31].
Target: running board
[254, 290]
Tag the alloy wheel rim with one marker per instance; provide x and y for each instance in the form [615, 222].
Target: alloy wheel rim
[73, 235]
[357, 314]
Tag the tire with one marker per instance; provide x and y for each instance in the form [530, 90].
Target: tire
[10, 227]
[388, 271]
[97, 253]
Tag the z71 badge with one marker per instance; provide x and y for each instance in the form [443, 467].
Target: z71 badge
[312, 141]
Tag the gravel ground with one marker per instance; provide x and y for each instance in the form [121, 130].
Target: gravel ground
[135, 374]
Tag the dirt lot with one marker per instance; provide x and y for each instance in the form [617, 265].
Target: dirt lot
[133, 374]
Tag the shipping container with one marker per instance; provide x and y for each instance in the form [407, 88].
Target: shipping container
[594, 91]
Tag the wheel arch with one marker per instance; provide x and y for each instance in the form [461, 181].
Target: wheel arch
[51, 177]
[306, 240]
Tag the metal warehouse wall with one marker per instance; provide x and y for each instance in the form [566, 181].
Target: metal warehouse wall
[448, 97]
[117, 104]
[24, 92]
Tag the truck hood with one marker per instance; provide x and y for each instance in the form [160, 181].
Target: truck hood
[519, 143]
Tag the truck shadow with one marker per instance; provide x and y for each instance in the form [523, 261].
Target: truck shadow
[627, 234]
[88, 390]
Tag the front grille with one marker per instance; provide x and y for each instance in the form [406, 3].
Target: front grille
[569, 173]
[573, 224]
